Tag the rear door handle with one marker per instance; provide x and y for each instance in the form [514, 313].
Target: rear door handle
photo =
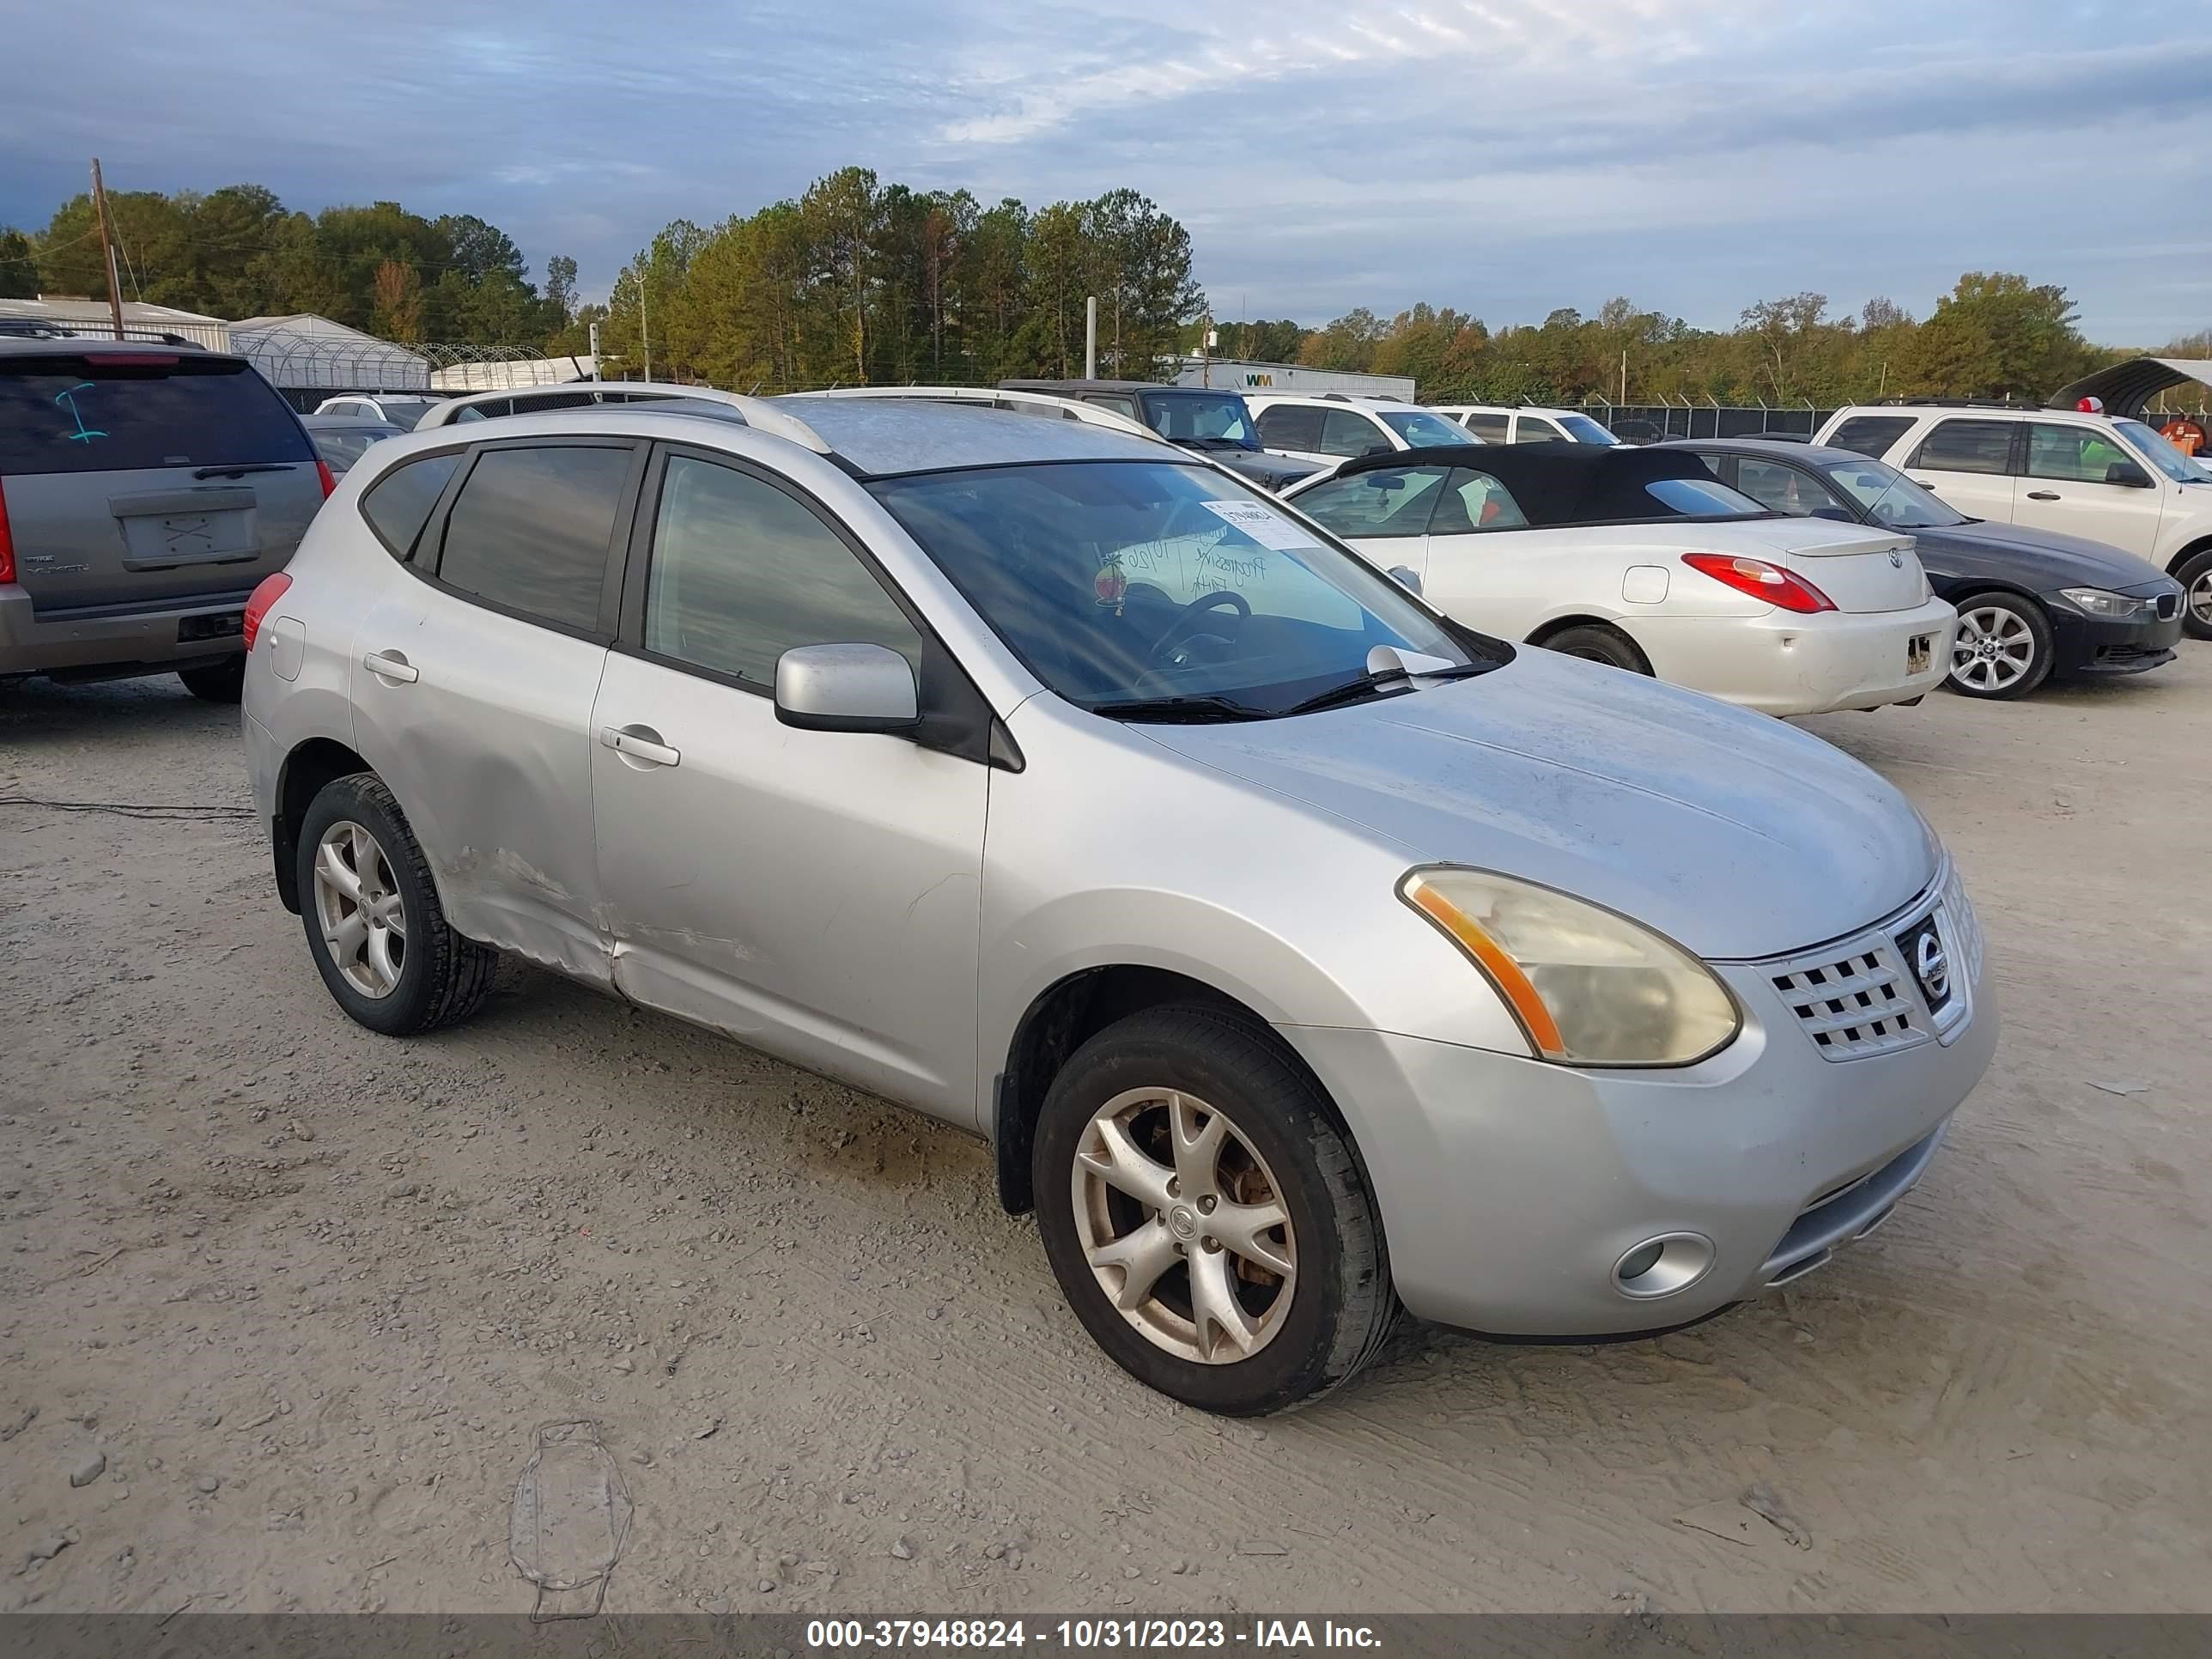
[640, 744]
[2043, 495]
[391, 665]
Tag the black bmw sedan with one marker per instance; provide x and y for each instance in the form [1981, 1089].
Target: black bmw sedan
[2031, 604]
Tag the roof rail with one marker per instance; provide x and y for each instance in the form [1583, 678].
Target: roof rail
[759, 413]
[1953, 403]
[1072, 409]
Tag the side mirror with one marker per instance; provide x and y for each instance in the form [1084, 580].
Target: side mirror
[846, 688]
[1407, 577]
[1375, 449]
[2128, 473]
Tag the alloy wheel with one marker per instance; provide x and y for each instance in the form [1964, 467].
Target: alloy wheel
[1184, 1225]
[2200, 598]
[358, 905]
[1994, 651]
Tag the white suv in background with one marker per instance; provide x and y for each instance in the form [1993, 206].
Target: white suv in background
[1335, 426]
[1496, 423]
[2108, 478]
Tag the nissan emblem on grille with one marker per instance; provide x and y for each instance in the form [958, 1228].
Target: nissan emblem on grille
[1928, 962]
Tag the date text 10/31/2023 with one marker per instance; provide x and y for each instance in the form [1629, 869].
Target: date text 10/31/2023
[1083, 1635]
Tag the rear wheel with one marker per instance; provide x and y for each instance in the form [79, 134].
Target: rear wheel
[221, 684]
[1594, 643]
[2003, 647]
[378, 934]
[1205, 1216]
[2195, 576]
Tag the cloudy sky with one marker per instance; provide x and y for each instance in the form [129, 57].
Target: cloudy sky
[1504, 156]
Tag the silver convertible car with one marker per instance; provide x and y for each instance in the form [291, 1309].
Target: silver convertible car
[1301, 954]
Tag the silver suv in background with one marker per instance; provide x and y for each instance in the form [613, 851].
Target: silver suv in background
[144, 490]
[1299, 951]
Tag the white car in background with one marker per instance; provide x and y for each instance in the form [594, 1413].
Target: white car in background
[1498, 424]
[403, 410]
[2111, 479]
[1640, 559]
[1336, 426]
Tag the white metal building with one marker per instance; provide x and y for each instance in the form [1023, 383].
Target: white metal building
[306, 353]
[505, 376]
[93, 320]
[1234, 376]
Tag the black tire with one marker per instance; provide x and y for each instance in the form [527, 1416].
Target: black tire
[443, 977]
[2009, 613]
[2196, 617]
[1342, 1304]
[1596, 642]
[223, 683]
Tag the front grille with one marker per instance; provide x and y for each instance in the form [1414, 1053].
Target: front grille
[1854, 1004]
[1862, 995]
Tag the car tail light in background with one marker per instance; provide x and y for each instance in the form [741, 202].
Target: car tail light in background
[271, 590]
[7, 538]
[330, 481]
[1762, 581]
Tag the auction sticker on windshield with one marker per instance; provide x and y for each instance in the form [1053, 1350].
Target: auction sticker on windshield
[1262, 524]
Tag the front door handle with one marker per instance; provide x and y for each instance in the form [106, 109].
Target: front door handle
[393, 666]
[639, 744]
[2043, 495]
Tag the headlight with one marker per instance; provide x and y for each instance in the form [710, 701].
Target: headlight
[2099, 603]
[1588, 988]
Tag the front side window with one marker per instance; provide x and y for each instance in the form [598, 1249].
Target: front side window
[2160, 451]
[742, 573]
[1783, 489]
[1421, 429]
[1391, 502]
[1892, 499]
[2072, 454]
[1132, 581]
[1120, 405]
[1491, 428]
[1347, 432]
[399, 504]
[1533, 429]
[1967, 447]
[530, 529]
[1871, 434]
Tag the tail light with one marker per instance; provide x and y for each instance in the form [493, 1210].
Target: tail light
[7, 539]
[1768, 582]
[271, 590]
[330, 482]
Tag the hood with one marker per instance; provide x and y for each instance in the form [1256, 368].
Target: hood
[1730, 832]
[2042, 559]
[1268, 471]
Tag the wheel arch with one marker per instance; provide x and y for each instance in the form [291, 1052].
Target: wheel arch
[1555, 626]
[1067, 1014]
[307, 769]
[2184, 555]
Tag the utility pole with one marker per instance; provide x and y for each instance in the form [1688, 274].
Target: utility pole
[106, 248]
[1624, 375]
[644, 331]
[1091, 338]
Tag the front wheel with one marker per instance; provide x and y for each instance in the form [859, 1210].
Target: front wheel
[1205, 1216]
[2195, 577]
[2003, 647]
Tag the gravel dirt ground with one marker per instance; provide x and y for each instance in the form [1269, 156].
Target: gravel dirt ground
[290, 1299]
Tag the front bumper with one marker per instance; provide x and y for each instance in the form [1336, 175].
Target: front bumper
[2083, 644]
[1511, 1190]
[1781, 663]
[116, 641]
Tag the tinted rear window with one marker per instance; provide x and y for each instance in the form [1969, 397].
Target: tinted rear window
[397, 504]
[531, 527]
[103, 414]
[1870, 434]
[1967, 447]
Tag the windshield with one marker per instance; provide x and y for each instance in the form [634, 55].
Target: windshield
[1424, 430]
[2154, 447]
[1188, 417]
[1127, 581]
[1584, 430]
[1890, 498]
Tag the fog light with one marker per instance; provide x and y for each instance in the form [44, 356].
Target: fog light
[1660, 1266]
